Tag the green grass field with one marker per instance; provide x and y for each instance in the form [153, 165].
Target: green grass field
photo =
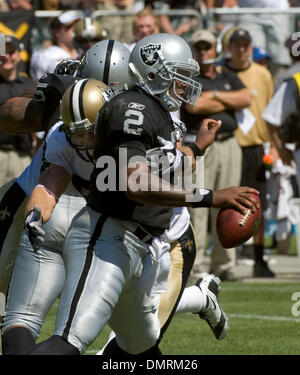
[260, 322]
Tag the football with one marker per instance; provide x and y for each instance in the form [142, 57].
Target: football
[234, 228]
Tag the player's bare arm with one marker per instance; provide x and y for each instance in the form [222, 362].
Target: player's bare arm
[166, 194]
[51, 186]
[205, 137]
[20, 115]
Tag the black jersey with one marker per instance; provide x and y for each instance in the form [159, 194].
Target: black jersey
[127, 126]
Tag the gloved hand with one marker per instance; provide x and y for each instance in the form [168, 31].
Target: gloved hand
[33, 226]
[49, 91]
[180, 130]
[164, 159]
[67, 67]
[52, 86]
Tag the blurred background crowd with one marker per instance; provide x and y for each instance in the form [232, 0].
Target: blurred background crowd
[245, 55]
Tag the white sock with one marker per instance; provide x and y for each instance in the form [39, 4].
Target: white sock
[192, 300]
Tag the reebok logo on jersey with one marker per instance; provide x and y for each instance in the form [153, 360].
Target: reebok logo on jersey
[137, 106]
[149, 53]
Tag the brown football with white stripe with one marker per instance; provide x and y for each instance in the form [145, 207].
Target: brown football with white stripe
[234, 228]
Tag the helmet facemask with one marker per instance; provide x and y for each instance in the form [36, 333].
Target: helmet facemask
[183, 88]
[171, 82]
[80, 107]
[81, 137]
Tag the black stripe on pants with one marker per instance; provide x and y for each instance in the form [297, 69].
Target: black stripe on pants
[84, 274]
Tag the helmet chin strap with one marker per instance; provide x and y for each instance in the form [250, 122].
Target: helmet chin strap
[169, 103]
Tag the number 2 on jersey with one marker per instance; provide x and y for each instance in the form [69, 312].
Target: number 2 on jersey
[133, 124]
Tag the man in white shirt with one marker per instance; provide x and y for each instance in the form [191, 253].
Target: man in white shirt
[281, 107]
[45, 60]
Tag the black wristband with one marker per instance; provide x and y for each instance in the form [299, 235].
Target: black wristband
[206, 201]
[196, 150]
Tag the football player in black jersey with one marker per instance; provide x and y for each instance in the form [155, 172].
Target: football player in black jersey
[113, 281]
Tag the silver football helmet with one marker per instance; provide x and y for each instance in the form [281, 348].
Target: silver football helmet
[107, 61]
[163, 65]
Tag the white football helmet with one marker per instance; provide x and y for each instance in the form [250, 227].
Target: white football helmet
[163, 65]
[107, 61]
[80, 105]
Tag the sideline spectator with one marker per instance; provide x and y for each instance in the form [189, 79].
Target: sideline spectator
[19, 4]
[253, 131]
[144, 23]
[283, 117]
[224, 20]
[117, 27]
[69, 4]
[3, 6]
[40, 33]
[87, 32]
[47, 5]
[268, 30]
[15, 151]
[261, 57]
[176, 25]
[44, 60]
[222, 94]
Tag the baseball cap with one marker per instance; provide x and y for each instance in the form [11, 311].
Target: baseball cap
[239, 34]
[203, 36]
[64, 19]
[259, 54]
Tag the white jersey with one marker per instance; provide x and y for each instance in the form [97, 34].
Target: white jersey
[44, 60]
[179, 223]
[180, 219]
[31, 174]
[57, 150]
[61, 153]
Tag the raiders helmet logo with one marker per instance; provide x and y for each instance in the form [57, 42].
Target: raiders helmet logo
[149, 54]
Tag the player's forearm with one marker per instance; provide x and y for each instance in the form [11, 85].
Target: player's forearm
[20, 115]
[52, 184]
[42, 198]
[171, 198]
[146, 188]
[189, 153]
